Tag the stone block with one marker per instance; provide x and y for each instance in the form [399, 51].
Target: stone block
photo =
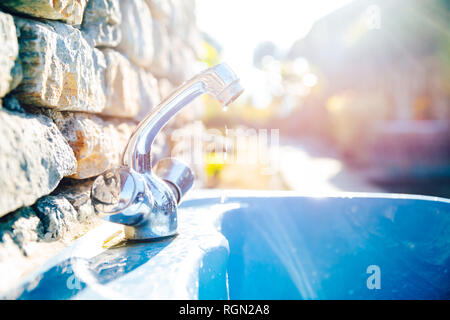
[69, 11]
[60, 69]
[34, 158]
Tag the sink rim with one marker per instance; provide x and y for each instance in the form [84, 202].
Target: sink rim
[247, 193]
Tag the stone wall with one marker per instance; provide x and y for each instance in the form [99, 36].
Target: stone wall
[76, 76]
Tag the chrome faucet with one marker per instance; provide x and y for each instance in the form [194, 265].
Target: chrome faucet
[146, 201]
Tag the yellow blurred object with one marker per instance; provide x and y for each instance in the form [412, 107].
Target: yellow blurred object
[422, 108]
[249, 176]
[214, 164]
[240, 109]
[114, 240]
[209, 54]
[242, 169]
[337, 102]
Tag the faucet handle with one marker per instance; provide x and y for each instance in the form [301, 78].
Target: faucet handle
[176, 174]
[119, 195]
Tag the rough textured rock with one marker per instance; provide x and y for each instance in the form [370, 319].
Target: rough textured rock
[182, 62]
[24, 227]
[182, 23]
[161, 60]
[165, 88]
[131, 92]
[10, 102]
[137, 32]
[101, 23]
[79, 196]
[178, 16]
[121, 86]
[69, 11]
[162, 10]
[34, 158]
[57, 215]
[8, 52]
[31, 235]
[60, 69]
[16, 74]
[148, 93]
[96, 143]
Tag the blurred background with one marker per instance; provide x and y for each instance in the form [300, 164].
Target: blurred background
[359, 92]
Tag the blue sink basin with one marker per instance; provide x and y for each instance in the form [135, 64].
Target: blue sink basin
[266, 245]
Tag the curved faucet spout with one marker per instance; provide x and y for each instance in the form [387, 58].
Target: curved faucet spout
[145, 202]
[219, 81]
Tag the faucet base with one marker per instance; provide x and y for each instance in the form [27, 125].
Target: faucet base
[132, 195]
